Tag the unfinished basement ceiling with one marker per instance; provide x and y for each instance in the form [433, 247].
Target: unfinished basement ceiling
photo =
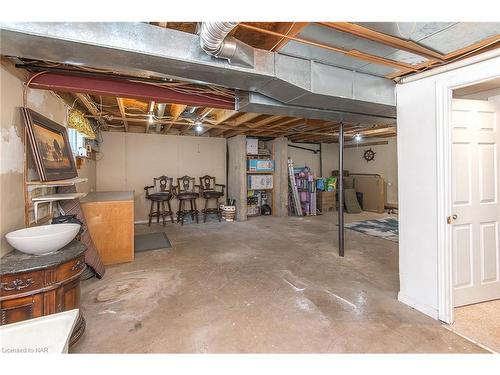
[306, 79]
[134, 116]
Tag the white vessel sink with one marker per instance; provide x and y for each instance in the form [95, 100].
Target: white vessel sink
[44, 239]
[47, 334]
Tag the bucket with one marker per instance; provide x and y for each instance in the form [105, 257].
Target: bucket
[228, 212]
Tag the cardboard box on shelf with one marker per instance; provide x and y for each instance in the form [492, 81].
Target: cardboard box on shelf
[252, 146]
[260, 165]
[264, 181]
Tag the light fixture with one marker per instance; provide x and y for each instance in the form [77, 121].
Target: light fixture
[198, 126]
[357, 137]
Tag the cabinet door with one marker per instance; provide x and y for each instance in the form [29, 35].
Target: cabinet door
[69, 296]
[20, 309]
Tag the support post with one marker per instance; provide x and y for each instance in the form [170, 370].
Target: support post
[341, 189]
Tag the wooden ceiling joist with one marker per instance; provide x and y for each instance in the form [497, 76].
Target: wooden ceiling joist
[221, 115]
[175, 111]
[389, 40]
[294, 29]
[122, 113]
[240, 120]
[351, 53]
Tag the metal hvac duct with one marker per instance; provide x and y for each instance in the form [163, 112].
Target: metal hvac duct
[143, 49]
[215, 42]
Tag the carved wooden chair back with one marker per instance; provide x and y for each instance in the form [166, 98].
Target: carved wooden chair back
[207, 182]
[186, 184]
[163, 184]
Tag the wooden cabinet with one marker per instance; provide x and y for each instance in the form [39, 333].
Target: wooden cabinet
[110, 221]
[34, 286]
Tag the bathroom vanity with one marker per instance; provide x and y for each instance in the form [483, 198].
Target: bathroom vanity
[32, 286]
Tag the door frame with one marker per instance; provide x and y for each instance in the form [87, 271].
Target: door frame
[469, 75]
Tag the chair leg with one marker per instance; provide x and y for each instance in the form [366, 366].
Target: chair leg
[179, 211]
[151, 213]
[192, 209]
[205, 211]
[170, 211]
[157, 212]
[163, 212]
[219, 213]
[195, 211]
[182, 212]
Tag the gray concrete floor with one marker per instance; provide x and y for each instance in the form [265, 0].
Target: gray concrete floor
[266, 285]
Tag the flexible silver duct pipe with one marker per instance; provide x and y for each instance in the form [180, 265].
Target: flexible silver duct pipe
[212, 35]
[214, 41]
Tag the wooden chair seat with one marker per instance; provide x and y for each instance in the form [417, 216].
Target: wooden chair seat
[188, 195]
[160, 196]
[212, 194]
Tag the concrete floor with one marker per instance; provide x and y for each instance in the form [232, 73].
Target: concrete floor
[266, 285]
[480, 322]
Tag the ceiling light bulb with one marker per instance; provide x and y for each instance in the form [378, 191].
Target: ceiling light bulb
[357, 137]
[198, 127]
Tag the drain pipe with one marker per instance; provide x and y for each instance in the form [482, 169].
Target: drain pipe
[215, 42]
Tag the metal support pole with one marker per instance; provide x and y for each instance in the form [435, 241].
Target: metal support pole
[341, 189]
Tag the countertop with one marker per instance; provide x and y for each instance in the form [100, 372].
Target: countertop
[18, 262]
[108, 196]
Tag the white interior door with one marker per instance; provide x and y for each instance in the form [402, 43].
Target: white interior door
[475, 194]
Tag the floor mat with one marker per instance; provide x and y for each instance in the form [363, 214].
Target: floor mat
[386, 228]
[151, 241]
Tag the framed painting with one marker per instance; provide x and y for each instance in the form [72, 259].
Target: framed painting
[50, 147]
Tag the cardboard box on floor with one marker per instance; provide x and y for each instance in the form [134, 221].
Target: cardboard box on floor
[373, 189]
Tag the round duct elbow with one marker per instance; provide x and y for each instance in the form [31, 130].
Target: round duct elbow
[212, 35]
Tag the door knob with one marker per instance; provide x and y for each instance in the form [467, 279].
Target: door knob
[449, 219]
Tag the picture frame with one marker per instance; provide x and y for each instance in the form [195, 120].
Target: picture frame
[50, 147]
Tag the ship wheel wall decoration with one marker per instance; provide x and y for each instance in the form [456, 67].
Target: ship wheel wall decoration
[369, 155]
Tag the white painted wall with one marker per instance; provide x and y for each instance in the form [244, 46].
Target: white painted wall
[130, 161]
[417, 114]
[329, 158]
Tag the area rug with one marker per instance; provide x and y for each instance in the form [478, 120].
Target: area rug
[386, 228]
[151, 241]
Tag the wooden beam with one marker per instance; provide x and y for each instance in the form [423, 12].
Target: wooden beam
[245, 117]
[352, 53]
[287, 123]
[293, 30]
[388, 40]
[264, 121]
[122, 112]
[221, 115]
[175, 111]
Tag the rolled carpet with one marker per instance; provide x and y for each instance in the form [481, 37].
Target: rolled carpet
[72, 207]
